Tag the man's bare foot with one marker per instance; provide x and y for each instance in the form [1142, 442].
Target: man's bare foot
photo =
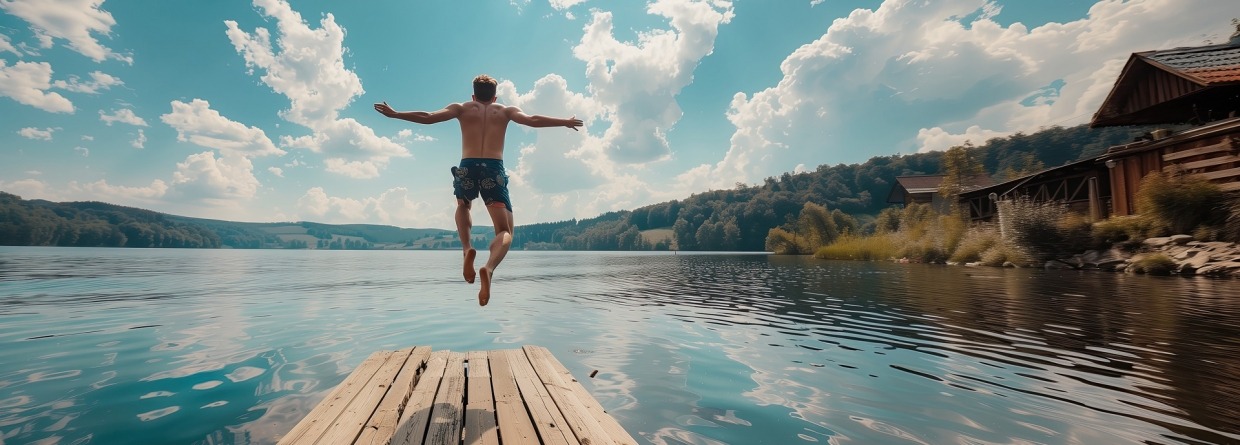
[469, 265]
[484, 294]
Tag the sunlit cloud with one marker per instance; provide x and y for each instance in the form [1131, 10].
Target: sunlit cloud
[28, 82]
[123, 115]
[76, 21]
[35, 133]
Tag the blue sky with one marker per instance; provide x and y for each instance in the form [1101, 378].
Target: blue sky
[262, 111]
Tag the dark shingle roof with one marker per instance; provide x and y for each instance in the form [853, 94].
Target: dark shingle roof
[1208, 65]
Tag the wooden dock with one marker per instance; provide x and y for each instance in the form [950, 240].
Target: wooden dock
[415, 396]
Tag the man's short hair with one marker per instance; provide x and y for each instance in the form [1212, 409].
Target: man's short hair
[484, 88]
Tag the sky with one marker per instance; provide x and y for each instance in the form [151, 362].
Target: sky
[263, 111]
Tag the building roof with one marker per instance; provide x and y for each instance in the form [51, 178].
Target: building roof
[1009, 186]
[919, 184]
[1205, 65]
[1178, 85]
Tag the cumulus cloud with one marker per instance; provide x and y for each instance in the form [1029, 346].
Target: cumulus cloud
[73, 20]
[85, 152]
[7, 45]
[394, 206]
[139, 142]
[197, 123]
[306, 65]
[561, 5]
[103, 191]
[28, 82]
[916, 65]
[279, 172]
[632, 93]
[637, 83]
[30, 189]
[123, 115]
[35, 133]
[98, 82]
[203, 176]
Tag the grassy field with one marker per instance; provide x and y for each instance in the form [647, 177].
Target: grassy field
[653, 236]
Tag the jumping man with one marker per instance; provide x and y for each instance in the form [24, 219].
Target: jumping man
[481, 173]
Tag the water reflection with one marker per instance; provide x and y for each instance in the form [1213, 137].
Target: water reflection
[236, 346]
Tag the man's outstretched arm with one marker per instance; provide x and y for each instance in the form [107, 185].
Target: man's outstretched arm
[516, 115]
[420, 117]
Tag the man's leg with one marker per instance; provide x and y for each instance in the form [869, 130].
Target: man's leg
[463, 226]
[502, 218]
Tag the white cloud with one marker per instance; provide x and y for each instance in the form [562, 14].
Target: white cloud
[394, 206]
[102, 191]
[561, 5]
[85, 152]
[307, 66]
[408, 135]
[123, 115]
[30, 189]
[28, 82]
[72, 20]
[197, 123]
[139, 142]
[7, 45]
[205, 177]
[87, 137]
[35, 133]
[637, 83]
[279, 172]
[348, 142]
[914, 65]
[98, 82]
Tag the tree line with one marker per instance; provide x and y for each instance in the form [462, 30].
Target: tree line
[741, 218]
[94, 224]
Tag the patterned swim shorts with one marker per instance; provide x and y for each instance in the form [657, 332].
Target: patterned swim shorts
[481, 177]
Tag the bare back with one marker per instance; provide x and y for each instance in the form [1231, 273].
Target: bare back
[483, 127]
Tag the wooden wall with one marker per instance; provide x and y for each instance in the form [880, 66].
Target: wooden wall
[1216, 157]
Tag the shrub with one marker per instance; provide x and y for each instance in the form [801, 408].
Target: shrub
[1180, 202]
[1120, 229]
[1002, 253]
[975, 243]
[781, 242]
[1154, 264]
[1044, 231]
[1231, 227]
[851, 247]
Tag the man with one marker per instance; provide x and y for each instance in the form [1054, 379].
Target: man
[481, 173]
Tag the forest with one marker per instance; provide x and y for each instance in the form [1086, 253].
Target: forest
[737, 219]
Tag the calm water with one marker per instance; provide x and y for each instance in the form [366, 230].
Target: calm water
[118, 346]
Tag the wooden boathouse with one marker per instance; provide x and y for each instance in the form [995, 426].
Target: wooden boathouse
[415, 396]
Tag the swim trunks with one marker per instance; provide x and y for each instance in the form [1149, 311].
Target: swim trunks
[481, 177]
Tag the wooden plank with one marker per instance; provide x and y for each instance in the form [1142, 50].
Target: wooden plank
[1219, 174]
[314, 424]
[513, 420]
[383, 424]
[548, 421]
[445, 425]
[414, 419]
[1205, 163]
[1230, 186]
[1226, 145]
[480, 427]
[348, 426]
[613, 428]
[555, 374]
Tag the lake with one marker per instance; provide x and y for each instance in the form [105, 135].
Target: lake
[119, 346]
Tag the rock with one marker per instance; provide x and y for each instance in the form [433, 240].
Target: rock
[1117, 265]
[1219, 269]
[1010, 264]
[1157, 241]
[1060, 264]
[1181, 239]
[1184, 254]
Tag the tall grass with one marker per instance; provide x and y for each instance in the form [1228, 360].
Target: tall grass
[1045, 230]
[860, 248]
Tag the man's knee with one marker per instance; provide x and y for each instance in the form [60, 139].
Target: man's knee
[462, 204]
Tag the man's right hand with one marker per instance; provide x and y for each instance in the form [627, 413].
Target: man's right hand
[573, 123]
[384, 109]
